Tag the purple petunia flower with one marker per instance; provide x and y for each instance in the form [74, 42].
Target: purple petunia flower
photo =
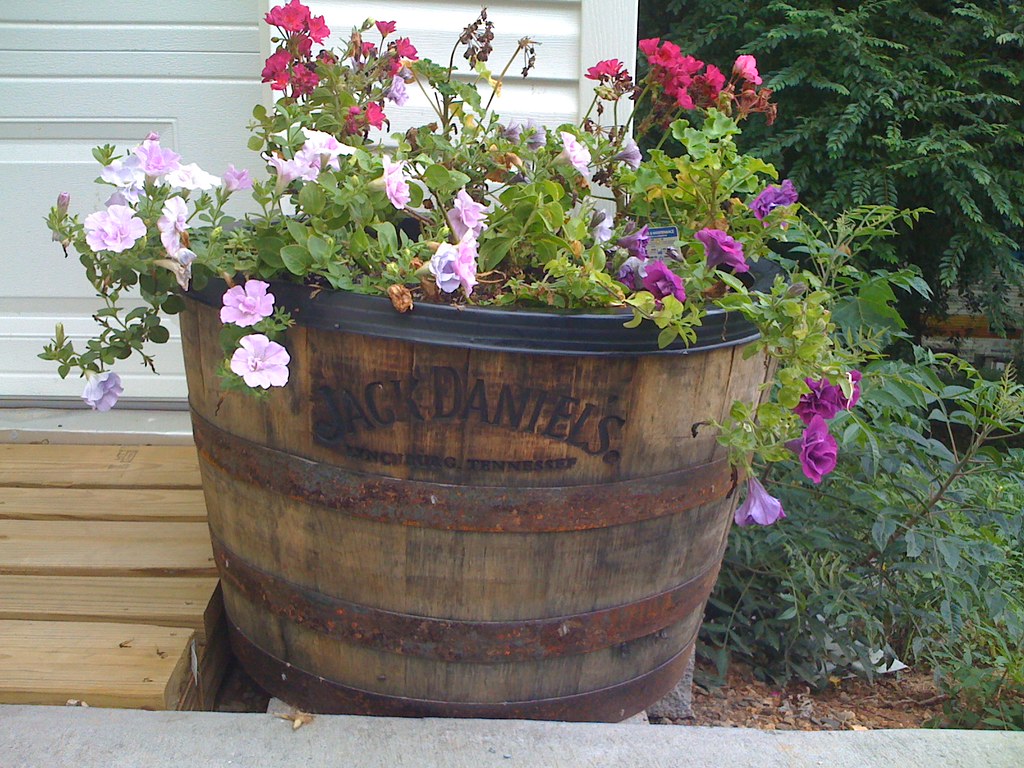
[538, 138]
[772, 197]
[722, 250]
[102, 390]
[662, 281]
[261, 362]
[172, 223]
[817, 450]
[513, 130]
[760, 507]
[236, 180]
[825, 399]
[635, 241]
[632, 272]
[630, 154]
[246, 306]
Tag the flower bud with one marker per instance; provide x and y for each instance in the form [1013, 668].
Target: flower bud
[63, 200]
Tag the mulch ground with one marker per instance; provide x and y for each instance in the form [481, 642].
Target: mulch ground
[907, 699]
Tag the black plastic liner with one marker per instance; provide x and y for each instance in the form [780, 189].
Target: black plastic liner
[554, 332]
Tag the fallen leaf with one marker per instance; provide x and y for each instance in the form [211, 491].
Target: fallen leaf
[298, 719]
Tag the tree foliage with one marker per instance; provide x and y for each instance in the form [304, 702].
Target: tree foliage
[910, 103]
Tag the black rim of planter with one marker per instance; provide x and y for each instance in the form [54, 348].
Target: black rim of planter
[538, 331]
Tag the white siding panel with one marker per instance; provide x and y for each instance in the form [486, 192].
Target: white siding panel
[79, 73]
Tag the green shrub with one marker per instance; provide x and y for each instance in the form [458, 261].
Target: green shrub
[910, 103]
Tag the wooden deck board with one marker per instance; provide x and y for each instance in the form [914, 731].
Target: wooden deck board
[108, 591]
[102, 664]
[87, 548]
[99, 466]
[142, 504]
[170, 602]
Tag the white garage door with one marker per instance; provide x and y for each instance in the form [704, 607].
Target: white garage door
[78, 73]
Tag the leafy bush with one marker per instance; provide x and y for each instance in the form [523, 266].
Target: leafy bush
[912, 549]
[910, 103]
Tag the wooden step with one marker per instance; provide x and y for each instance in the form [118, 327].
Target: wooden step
[102, 664]
[87, 548]
[99, 466]
[115, 504]
[183, 601]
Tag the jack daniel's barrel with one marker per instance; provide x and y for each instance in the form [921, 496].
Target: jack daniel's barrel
[467, 512]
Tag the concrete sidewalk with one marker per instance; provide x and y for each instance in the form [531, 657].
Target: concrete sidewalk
[73, 737]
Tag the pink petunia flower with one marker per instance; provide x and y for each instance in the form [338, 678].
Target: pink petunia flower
[465, 263]
[172, 223]
[261, 362]
[116, 229]
[575, 153]
[246, 306]
[102, 390]
[396, 186]
[236, 180]
[156, 161]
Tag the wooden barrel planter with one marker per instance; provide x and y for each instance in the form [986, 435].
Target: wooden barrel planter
[467, 512]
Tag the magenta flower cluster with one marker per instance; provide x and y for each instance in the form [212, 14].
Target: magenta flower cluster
[259, 361]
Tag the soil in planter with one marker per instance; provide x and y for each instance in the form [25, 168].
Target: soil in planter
[907, 699]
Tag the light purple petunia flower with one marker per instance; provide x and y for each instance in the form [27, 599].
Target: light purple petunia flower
[817, 450]
[156, 161]
[722, 250]
[760, 507]
[513, 131]
[289, 170]
[116, 229]
[442, 267]
[630, 154]
[661, 281]
[173, 222]
[63, 201]
[601, 227]
[246, 306]
[321, 150]
[261, 362]
[575, 153]
[539, 136]
[102, 390]
[772, 197]
[191, 177]
[467, 215]
[236, 180]
[396, 186]
[396, 92]
[127, 175]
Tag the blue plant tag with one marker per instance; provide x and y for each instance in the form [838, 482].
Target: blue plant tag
[662, 238]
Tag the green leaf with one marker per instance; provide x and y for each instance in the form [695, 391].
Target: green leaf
[296, 259]
[159, 335]
[297, 231]
[492, 251]
[312, 199]
[436, 177]
[950, 549]
[255, 143]
[319, 248]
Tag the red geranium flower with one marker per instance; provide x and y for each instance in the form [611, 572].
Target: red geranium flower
[404, 49]
[609, 69]
[318, 29]
[291, 18]
[385, 27]
[375, 115]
